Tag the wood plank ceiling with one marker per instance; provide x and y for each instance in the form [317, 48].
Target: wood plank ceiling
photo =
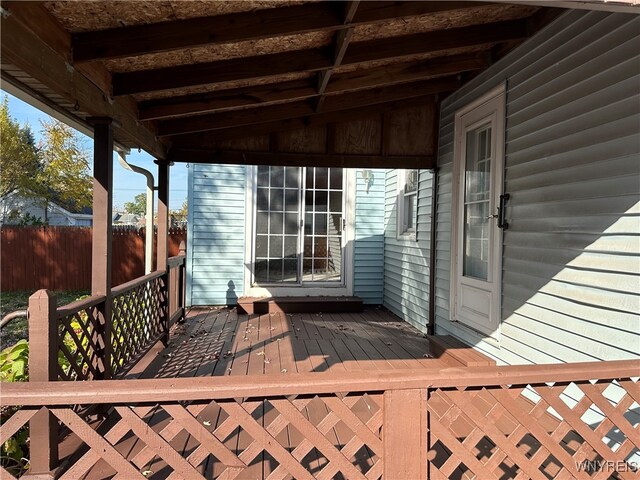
[188, 70]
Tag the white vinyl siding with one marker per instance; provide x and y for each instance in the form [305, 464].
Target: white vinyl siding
[368, 251]
[571, 258]
[406, 259]
[216, 234]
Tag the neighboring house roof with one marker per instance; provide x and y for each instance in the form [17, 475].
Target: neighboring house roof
[127, 218]
[34, 205]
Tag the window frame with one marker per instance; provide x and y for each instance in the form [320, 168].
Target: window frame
[405, 232]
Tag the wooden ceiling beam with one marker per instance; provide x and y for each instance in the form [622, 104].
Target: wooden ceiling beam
[252, 116]
[208, 139]
[316, 59]
[341, 41]
[236, 27]
[310, 60]
[294, 90]
[438, 40]
[380, 11]
[194, 155]
[406, 72]
[227, 99]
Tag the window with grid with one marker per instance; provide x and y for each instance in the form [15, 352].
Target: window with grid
[407, 201]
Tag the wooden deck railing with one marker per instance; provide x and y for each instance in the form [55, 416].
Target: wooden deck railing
[76, 343]
[547, 421]
[80, 346]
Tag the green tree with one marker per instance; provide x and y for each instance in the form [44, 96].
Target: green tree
[19, 162]
[138, 206]
[65, 175]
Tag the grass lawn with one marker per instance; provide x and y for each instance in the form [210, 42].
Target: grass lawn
[11, 301]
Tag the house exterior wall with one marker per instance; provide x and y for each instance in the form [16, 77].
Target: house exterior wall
[406, 260]
[217, 235]
[368, 251]
[571, 258]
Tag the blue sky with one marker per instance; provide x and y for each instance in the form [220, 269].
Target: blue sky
[126, 184]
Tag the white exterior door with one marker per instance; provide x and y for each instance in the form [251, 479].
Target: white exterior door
[477, 223]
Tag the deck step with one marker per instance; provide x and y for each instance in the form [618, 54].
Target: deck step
[446, 346]
[260, 306]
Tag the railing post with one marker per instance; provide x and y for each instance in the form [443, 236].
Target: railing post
[405, 434]
[43, 367]
[182, 271]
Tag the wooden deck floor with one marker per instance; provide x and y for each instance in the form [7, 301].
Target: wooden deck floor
[222, 342]
[218, 341]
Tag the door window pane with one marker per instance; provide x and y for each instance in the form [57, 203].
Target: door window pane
[291, 223]
[477, 203]
[291, 200]
[336, 179]
[292, 176]
[322, 178]
[321, 201]
[276, 200]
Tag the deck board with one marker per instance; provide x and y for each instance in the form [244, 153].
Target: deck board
[219, 342]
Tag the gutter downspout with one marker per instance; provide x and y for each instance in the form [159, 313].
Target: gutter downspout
[431, 323]
[148, 244]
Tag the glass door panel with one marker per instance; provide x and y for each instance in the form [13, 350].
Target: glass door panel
[277, 225]
[477, 201]
[322, 252]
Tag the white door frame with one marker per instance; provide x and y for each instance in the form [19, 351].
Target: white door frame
[344, 288]
[488, 108]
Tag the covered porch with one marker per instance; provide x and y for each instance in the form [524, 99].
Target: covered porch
[133, 383]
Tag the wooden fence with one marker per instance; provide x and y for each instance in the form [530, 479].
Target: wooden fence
[59, 258]
[537, 421]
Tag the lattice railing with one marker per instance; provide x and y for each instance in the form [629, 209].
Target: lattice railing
[80, 340]
[471, 422]
[76, 342]
[137, 319]
[546, 430]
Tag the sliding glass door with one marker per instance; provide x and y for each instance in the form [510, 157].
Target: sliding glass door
[299, 226]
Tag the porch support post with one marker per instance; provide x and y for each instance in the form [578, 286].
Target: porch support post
[182, 271]
[405, 433]
[163, 243]
[102, 233]
[43, 367]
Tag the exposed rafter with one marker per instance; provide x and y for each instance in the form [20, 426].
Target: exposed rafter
[285, 111]
[237, 27]
[438, 40]
[221, 71]
[341, 43]
[301, 89]
[316, 59]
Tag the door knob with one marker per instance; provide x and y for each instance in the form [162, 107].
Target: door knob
[488, 217]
